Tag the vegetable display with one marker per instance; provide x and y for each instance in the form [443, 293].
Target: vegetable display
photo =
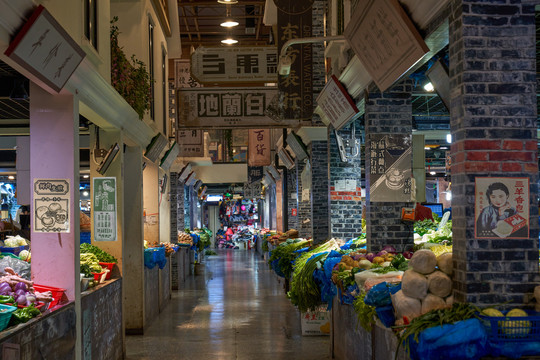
[101, 255]
[92, 262]
[366, 313]
[285, 255]
[23, 315]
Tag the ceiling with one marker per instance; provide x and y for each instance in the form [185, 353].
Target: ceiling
[200, 23]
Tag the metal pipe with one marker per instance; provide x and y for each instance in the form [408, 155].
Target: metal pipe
[309, 40]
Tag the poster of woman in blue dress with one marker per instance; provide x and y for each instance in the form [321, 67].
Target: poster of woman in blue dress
[502, 207]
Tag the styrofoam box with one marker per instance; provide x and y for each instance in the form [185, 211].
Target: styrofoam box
[315, 323]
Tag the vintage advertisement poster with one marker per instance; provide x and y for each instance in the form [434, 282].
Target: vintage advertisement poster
[242, 64]
[259, 147]
[390, 163]
[190, 143]
[205, 108]
[255, 174]
[51, 205]
[104, 204]
[183, 75]
[501, 207]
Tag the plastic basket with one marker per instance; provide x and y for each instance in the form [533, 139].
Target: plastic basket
[5, 315]
[57, 293]
[513, 329]
[14, 250]
[108, 266]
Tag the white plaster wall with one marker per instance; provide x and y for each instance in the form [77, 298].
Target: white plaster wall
[164, 210]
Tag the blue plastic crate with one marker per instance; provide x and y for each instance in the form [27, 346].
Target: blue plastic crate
[5, 315]
[14, 250]
[85, 237]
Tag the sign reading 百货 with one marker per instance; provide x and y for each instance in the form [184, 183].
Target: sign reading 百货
[104, 204]
[211, 108]
[46, 50]
[234, 64]
[259, 147]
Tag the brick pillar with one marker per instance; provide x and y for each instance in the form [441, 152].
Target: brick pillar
[494, 125]
[345, 204]
[187, 212]
[388, 112]
[304, 207]
[180, 222]
[173, 190]
[320, 200]
[292, 197]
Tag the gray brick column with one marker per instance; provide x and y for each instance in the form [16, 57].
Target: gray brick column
[304, 207]
[179, 205]
[292, 197]
[320, 200]
[173, 190]
[388, 112]
[345, 204]
[187, 207]
[493, 119]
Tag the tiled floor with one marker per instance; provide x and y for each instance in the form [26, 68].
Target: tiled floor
[236, 310]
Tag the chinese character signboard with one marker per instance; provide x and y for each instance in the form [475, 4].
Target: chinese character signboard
[234, 64]
[296, 89]
[252, 190]
[190, 143]
[390, 163]
[501, 207]
[104, 204]
[384, 39]
[183, 75]
[51, 206]
[206, 108]
[255, 173]
[46, 50]
[335, 104]
[259, 147]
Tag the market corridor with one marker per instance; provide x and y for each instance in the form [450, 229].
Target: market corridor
[237, 310]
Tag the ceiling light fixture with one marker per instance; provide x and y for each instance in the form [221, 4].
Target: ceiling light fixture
[449, 138]
[86, 176]
[228, 2]
[11, 177]
[432, 173]
[229, 41]
[429, 87]
[229, 23]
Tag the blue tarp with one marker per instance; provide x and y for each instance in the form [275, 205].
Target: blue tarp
[155, 256]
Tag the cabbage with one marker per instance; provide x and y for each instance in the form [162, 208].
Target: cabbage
[11, 242]
[24, 255]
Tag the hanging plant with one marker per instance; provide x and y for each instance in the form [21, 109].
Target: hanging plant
[130, 79]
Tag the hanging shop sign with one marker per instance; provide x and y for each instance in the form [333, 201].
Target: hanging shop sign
[252, 190]
[334, 104]
[182, 70]
[170, 157]
[259, 147]
[385, 40]
[104, 204]
[46, 50]
[255, 174]
[156, 148]
[190, 143]
[227, 65]
[51, 205]
[296, 90]
[390, 163]
[501, 207]
[206, 108]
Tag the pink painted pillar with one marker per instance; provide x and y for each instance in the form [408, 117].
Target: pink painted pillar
[54, 148]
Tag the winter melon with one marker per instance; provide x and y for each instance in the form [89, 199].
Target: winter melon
[492, 312]
[516, 328]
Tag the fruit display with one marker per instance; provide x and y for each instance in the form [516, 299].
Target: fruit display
[185, 238]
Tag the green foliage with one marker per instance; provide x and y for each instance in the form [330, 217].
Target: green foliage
[264, 246]
[424, 226]
[85, 269]
[100, 254]
[366, 313]
[130, 79]
[209, 252]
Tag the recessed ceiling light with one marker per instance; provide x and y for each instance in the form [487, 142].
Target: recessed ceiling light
[229, 23]
[449, 138]
[432, 173]
[228, 2]
[85, 193]
[429, 87]
[86, 176]
[229, 41]
[11, 177]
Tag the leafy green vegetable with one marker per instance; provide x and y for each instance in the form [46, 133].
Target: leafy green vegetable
[424, 226]
[6, 299]
[285, 254]
[100, 254]
[23, 315]
[305, 293]
[264, 246]
[458, 312]
[366, 313]
[86, 270]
